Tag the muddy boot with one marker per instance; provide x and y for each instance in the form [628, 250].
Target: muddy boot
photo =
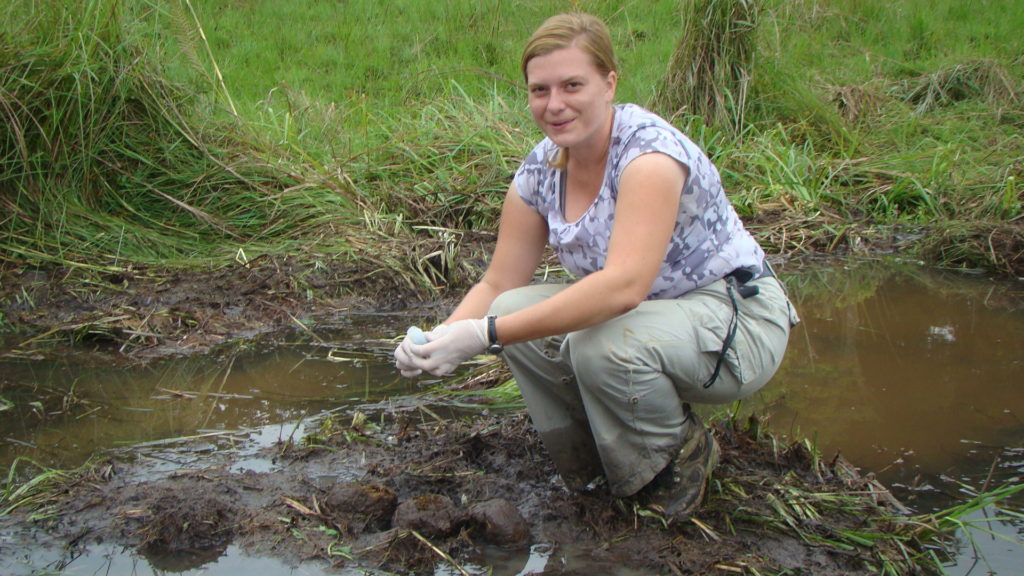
[678, 490]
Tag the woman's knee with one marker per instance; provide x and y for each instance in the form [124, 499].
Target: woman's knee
[599, 354]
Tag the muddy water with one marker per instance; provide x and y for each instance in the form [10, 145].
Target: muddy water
[92, 405]
[915, 375]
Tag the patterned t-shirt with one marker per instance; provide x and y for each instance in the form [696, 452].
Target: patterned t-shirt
[709, 239]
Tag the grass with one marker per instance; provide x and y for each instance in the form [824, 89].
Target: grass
[106, 163]
[175, 132]
[39, 493]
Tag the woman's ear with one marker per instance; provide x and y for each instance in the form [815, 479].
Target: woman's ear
[611, 82]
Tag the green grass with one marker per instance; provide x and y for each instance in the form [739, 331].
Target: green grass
[177, 132]
[106, 162]
[396, 52]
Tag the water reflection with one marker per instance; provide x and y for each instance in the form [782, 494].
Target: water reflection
[909, 373]
[912, 374]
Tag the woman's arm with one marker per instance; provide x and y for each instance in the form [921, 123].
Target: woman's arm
[522, 236]
[645, 217]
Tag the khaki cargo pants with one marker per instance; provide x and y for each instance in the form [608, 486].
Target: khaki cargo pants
[609, 399]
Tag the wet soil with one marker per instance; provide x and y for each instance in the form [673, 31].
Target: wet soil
[416, 491]
[138, 314]
[411, 492]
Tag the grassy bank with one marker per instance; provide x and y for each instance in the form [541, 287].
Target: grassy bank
[178, 132]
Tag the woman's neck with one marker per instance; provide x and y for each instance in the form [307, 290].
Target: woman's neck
[595, 153]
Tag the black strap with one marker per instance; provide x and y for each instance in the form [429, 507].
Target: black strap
[744, 275]
[736, 283]
[731, 288]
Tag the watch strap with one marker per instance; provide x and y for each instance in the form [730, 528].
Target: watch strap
[494, 346]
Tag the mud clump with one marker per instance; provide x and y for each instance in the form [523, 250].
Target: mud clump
[501, 522]
[432, 515]
[356, 507]
[175, 522]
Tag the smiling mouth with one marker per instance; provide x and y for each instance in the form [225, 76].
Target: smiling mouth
[560, 125]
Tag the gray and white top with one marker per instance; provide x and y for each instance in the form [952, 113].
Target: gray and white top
[709, 240]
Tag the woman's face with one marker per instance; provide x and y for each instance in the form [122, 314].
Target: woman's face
[569, 98]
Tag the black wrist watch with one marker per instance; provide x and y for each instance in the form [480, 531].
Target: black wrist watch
[493, 346]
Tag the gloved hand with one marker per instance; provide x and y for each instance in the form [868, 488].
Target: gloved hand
[451, 346]
[406, 359]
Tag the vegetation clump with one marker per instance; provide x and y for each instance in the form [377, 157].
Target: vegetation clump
[712, 67]
[106, 163]
[142, 135]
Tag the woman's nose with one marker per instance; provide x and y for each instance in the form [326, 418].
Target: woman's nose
[555, 101]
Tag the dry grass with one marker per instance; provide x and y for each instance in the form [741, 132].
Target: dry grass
[710, 71]
[984, 79]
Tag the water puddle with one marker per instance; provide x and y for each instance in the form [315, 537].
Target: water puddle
[915, 375]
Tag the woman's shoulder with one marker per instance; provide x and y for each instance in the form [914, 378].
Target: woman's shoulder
[639, 130]
[633, 118]
[536, 174]
[543, 151]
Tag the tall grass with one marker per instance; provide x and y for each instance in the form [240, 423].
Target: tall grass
[710, 72]
[176, 130]
[455, 162]
[103, 160]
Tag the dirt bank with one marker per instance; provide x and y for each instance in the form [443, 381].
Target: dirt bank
[412, 490]
[139, 314]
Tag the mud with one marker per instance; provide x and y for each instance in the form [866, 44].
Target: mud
[407, 493]
[136, 314]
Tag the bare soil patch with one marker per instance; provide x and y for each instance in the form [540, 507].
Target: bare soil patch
[139, 314]
[411, 492]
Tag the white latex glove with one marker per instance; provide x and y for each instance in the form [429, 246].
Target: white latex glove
[437, 332]
[451, 346]
[407, 360]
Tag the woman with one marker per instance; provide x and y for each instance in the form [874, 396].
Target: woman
[674, 302]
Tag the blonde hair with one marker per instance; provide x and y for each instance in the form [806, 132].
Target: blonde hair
[586, 32]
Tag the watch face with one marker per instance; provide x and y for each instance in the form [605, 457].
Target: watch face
[495, 348]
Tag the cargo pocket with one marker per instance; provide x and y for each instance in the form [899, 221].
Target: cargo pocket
[712, 332]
